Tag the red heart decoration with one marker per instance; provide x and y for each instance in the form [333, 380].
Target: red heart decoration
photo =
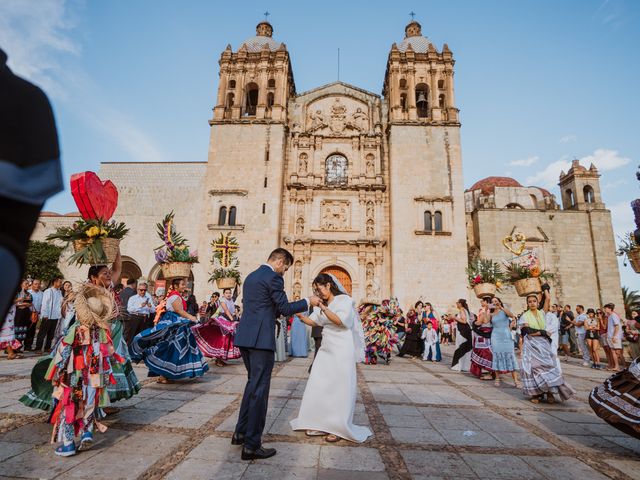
[95, 199]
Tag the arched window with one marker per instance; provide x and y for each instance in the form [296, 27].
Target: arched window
[442, 102]
[230, 99]
[403, 83]
[232, 84]
[403, 102]
[271, 83]
[427, 221]
[336, 170]
[232, 216]
[222, 216]
[270, 99]
[251, 100]
[437, 221]
[570, 199]
[422, 100]
[589, 196]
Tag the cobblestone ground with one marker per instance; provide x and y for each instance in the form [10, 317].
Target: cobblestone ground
[428, 421]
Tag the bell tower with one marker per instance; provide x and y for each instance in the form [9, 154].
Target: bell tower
[580, 188]
[426, 190]
[256, 81]
[419, 80]
[243, 184]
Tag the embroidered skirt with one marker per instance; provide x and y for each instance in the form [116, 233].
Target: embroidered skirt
[617, 400]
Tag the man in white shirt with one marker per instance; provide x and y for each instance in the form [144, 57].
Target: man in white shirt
[140, 307]
[581, 333]
[36, 305]
[614, 334]
[50, 312]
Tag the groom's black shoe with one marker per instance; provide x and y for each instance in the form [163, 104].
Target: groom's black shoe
[257, 454]
[237, 439]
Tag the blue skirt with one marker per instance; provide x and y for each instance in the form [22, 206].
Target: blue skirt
[299, 339]
[169, 349]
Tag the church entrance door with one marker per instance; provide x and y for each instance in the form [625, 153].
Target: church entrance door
[341, 274]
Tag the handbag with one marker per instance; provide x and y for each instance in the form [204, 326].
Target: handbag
[35, 317]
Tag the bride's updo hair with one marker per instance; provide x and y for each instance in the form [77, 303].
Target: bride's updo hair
[323, 279]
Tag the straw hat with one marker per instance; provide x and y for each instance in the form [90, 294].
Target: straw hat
[94, 306]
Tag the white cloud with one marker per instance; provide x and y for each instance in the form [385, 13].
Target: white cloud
[40, 43]
[568, 139]
[621, 218]
[35, 36]
[526, 162]
[603, 159]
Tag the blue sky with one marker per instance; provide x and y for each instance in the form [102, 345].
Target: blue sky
[537, 82]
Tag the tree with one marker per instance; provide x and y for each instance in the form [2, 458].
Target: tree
[42, 261]
[631, 300]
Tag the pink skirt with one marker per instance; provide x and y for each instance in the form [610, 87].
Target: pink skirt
[215, 338]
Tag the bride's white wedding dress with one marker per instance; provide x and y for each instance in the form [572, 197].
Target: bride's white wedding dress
[329, 398]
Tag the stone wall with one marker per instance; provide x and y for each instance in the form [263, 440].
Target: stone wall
[426, 174]
[579, 252]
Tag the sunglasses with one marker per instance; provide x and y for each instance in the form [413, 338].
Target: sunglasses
[142, 289]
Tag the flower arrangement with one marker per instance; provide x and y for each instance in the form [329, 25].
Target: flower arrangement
[224, 262]
[485, 270]
[174, 247]
[95, 240]
[629, 249]
[527, 267]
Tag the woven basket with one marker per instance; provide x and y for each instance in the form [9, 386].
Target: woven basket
[485, 290]
[110, 247]
[176, 269]
[634, 259]
[226, 282]
[527, 286]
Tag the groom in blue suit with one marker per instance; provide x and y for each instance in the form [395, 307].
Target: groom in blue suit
[263, 300]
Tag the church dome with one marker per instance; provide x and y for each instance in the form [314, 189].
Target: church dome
[413, 37]
[264, 32]
[488, 185]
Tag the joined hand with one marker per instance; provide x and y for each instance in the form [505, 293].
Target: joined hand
[315, 300]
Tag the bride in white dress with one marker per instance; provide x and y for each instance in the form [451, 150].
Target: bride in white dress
[329, 398]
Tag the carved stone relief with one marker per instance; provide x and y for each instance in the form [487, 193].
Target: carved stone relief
[370, 228]
[297, 271]
[336, 118]
[370, 271]
[335, 215]
[370, 210]
[370, 170]
[300, 226]
[303, 163]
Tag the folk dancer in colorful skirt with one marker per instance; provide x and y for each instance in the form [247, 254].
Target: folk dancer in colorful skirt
[481, 356]
[540, 373]
[617, 400]
[169, 348]
[81, 369]
[215, 337]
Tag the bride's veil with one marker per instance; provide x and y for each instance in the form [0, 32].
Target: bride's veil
[357, 331]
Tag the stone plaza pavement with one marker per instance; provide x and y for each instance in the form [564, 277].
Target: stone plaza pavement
[428, 422]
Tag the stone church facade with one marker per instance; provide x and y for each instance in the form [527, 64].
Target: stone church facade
[366, 186]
